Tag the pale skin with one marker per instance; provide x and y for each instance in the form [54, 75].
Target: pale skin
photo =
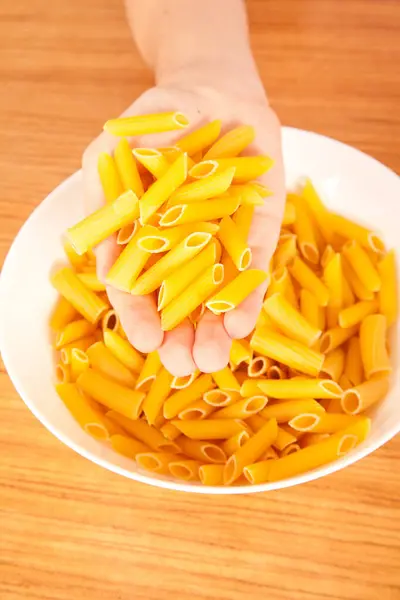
[203, 66]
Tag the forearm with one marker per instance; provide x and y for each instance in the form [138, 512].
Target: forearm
[196, 43]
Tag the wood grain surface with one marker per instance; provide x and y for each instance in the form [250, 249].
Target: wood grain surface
[72, 530]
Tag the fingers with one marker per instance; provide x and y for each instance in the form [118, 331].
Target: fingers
[212, 344]
[176, 350]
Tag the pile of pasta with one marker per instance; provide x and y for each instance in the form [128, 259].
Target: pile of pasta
[296, 391]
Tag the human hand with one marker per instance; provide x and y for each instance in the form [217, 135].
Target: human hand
[182, 350]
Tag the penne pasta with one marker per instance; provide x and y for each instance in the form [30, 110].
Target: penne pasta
[203, 189]
[110, 321]
[352, 231]
[144, 124]
[127, 446]
[304, 230]
[126, 233]
[82, 344]
[290, 321]
[311, 310]
[162, 240]
[103, 360]
[200, 138]
[362, 266]
[243, 219]
[240, 353]
[309, 439]
[199, 409]
[211, 474]
[127, 168]
[170, 432]
[276, 372]
[284, 438]
[335, 337]
[285, 252]
[232, 143]
[63, 313]
[354, 370]
[308, 280]
[219, 398]
[156, 462]
[333, 279]
[236, 291]
[334, 422]
[281, 282]
[358, 288]
[156, 396]
[91, 281]
[231, 445]
[300, 387]
[85, 301]
[226, 380]
[258, 366]
[153, 160]
[183, 398]
[144, 433]
[79, 362]
[109, 177]
[210, 429]
[235, 246]
[285, 411]
[388, 301]
[148, 373]
[78, 261]
[319, 212]
[209, 210]
[242, 409]
[290, 449]
[357, 399]
[289, 215]
[248, 194]
[251, 387]
[374, 353]
[203, 169]
[353, 315]
[188, 470]
[247, 167]
[180, 383]
[74, 331]
[202, 451]
[123, 351]
[334, 364]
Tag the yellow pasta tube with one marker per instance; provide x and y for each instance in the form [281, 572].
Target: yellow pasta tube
[247, 167]
[311, 310]
[110, 321]
[82, 344]
[203, 189]
[188, 470]
[354, 370]
[127, 446]
[84, 411]
[289, 352]
[285, 252]
[285, 411]
[210, 429]
[170, 432]
[250, 451]
[226, 380]
[153, 160]
[290, 321]
[276, 372]
[211, 474]
[388, 300]
[334, 364]
[240, 353]
[109, 177]
[79, 362]
[309, 280]
[359, 289]
[232, 143]
[352, 315]
[289, 215]
[127, 168]
[284, 438]
[200, 138]
[304, 230]
[103, 222]
[203, 169]
[209, 210]
[161, 240]
[362, 265]
[231, 445]
[115, 396]
[309, 439]
[334, 422]
[156, 462]
[78, 261]
[183, 398]
[235, 245]
[290, 449]
[300, 387]
[123, 351]
[199, 409]
[158, 393]
[255, 423]
[281, 282]
[85, 301]
[249, 196]
[335, 337]
[180, 383]
[251, 387]
[196, 293]
[144, 124]
[352, 231]
[318, 210]
[126, 233]
[219, 398]
[333, 279]
[74, 331]
[63, 313]
[357, 399]
[236, 291]
[148, 435]
[374, 353]
[103, 360]
[183, 276]
[242, 409]
[258, 366]
[184, 251]
[243, 219]
[91, 281]
[161, 190]
[200, 450]
[151, 367]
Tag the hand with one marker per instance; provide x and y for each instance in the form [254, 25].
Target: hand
[182, 350]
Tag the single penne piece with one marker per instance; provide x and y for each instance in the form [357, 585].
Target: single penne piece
[63, 313]
[242, 409]
[105, 221]
[319, 212]
[109, 177]
[270, 454]
[335, 337]
[333, 279]
[63, 373]
[85, 301]
[187, 249]
[235, 246]
[284, 438]
[103, 360]
[211, 474]
[352, 315]
[219, 398]
[232, 143]
[153, 160]
[183, 398]
[310, 457]
[300, 387]
[334, 364]
[374, 352]
[144, 124]
[290, 321]
[311, 310]
[250, 451]
[75, 330]
[348, 294]
[354, 370]
[260, 188]
[231, 445]
[230, 270]
[199, 409]
[276, 372]
[281, 282]
[285, 252]
[258, 366]
[209, 210]
[203, 189]
[203, 169]
[123, 351]
[332, 316]
[82, 344]
[345, 384]
[127, 446]
[226, 380]
[155, 196]
[304, 422]
[240, 353]
[285, 411]
[309, 280]
[170, 432]
[357, 399]
[92, 282]
[251, 387]
[352, 231]
[358, 288]
[182, 382]
[236, 291]
[210, 429]
[110, 321]
[388, 300]
[156, 396]
[84, 411]
[197, 313]
[156, 462]
[127, 168]
[304, 230]
[163, 240]
[327, 256]
[194, 295]
[289, 215]
[140, 430]
[126, 233]
[290, 449]
[309, 439]
[148, 373]
[243, 219]
[248, 195]
[79, 362]
[362, 266]
[202, 451]
[78, 261]
[115, 396]
[334, 422]
[188, 470]
[200, 138]
[183, 276]
[247, 167]
[255, 423]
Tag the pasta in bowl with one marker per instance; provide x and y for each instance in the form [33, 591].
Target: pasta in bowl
[312, 390]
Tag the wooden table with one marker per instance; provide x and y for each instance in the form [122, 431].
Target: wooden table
[72, 530]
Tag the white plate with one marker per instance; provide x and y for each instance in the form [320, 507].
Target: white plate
[349, 181]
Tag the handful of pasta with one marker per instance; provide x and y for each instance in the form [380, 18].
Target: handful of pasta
[296, 391]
